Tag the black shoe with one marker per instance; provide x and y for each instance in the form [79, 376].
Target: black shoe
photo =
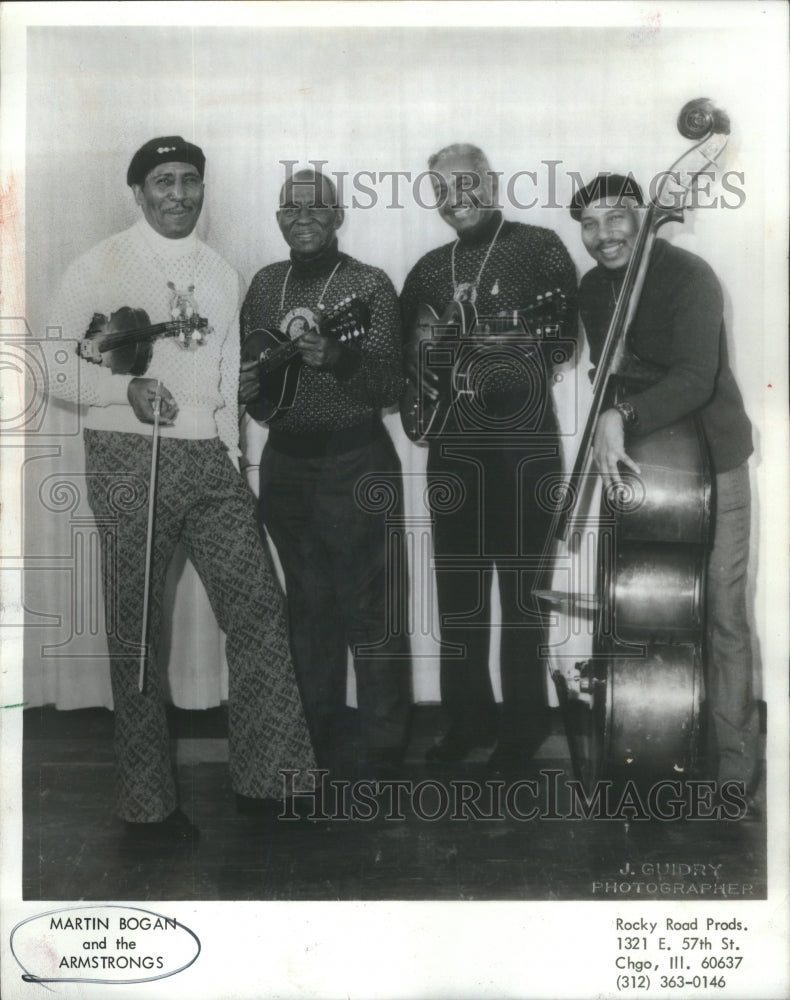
[513, 758]
[175, 829]
[454, 746]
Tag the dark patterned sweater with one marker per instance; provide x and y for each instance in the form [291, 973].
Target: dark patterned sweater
[679, 325]
[369, 376]
[526, 261]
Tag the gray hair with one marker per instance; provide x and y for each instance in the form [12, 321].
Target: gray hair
[474, 154]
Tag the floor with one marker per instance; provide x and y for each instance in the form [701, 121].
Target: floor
[74, 849]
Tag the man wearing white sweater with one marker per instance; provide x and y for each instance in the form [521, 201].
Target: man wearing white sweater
[159, 266]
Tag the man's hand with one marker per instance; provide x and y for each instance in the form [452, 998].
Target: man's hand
[318, 351]
[141, 394]
[609, 447]
[249, 382]
[422, 376]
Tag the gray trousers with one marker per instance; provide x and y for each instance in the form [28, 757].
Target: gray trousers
[732, 712]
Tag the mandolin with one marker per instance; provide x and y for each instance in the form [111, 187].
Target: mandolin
[124, 343]
[278, 357]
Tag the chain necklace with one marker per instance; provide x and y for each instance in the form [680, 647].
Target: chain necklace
[320, 304]
[472, 286]
[615, 296]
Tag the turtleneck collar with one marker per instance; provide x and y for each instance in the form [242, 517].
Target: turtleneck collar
[484, 232]
[162, 245]
[617, 274]
[315, 265]
[614, 275]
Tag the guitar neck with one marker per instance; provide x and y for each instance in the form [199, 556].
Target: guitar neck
[517, 320]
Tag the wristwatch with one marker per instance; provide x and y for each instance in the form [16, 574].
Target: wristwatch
[628, 413]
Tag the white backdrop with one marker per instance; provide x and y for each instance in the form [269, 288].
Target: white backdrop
[363, 100]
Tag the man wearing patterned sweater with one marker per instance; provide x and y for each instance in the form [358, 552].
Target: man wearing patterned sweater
[330, 480]
[493, 467]
[161, 267]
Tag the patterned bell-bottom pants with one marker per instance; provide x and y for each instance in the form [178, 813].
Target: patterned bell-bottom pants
[201, 501]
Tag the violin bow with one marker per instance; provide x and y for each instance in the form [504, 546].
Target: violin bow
[149, 535]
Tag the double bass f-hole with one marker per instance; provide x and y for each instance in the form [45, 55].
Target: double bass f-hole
[632, 708]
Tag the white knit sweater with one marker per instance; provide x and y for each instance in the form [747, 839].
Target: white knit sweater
[133, 269]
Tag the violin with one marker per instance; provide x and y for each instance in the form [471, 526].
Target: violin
[124, 343]
[632, 710]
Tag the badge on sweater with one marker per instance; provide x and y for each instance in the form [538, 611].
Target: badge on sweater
[184, 309]
[466, 291]
[297, 322]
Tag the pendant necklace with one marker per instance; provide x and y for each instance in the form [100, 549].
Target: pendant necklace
[298, 321]
[466, 291]
[182, 305]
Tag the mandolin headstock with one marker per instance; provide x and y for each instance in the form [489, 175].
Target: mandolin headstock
[345, 321]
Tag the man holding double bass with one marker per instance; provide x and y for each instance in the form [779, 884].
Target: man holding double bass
[679, 326]
[489, 452]
[158, 272]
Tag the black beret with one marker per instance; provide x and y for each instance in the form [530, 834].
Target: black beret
[166, 149]
[610, 186]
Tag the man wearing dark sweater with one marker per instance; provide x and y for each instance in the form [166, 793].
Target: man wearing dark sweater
[327, 469]
[679, 326]
[485, 469]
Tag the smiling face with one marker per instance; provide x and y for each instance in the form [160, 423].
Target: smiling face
[609, 230]
[171, 197]
[308, 217]
[466, 195]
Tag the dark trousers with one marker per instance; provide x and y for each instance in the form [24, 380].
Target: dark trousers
[345, 583]
[488, 518]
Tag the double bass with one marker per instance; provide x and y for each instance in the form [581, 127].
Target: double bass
[632, 709]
